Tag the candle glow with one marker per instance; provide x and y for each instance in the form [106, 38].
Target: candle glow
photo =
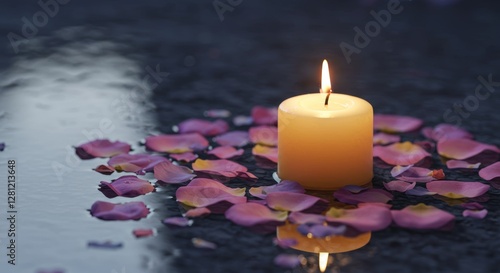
[323, 261]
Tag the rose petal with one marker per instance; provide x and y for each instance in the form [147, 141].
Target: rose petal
[225, 152]
[463, 148]
[401, 153]
[141, 233]
[289, 261]
[283, 186]
[125, 211]
[419, 191]
[285, 242]
[305, 218]
[176, 144]
[104, 169]
[200, 243]
[184, 157]
[197, 212]
[209, 183]
[478, 214]
[400, 186]
[177, 221]
[217, 113]
[422, 216]
[265, 135]
[396, 124]
[242, 120]
[253, 214]
[234, 138]
[458, 189]
[101, 148]
[292, 201]
[204, 127]
[472, 206]
[138, 163]
[105, 244]
[445, 131]
[416, 174]
[321, 231]
[172, 174]
[128, 186]
[366, 196]
[264, 116]
[266, 152]
[460, 164]
[363, 219]
[216, 200]
[384, 139]
[221, 167]
[491, 172]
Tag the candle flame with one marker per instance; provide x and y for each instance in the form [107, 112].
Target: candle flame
[326, 86]
[323, 261]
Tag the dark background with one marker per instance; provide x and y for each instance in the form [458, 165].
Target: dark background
[86, 65]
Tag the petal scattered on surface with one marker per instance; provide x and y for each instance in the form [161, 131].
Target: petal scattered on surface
[478, 214]
[197, 212]
[215, 199]
[285, 242]
[172, 174]
[252, 214]
[141, 233]
[210, 183]
[416, 174]
[401, 153]
[365, 196]
[267, 152]
[102, 148]
[177, 144]
[460, 164]
[104, 169]
[234, 138]
[242, 120]
[225, 152]
[265, 116]
[364, 219]
[292, 201]
[384, 139]
[177, 221]
[128, 186]
[463, 148]
[400, 186]
[422, 216]
[306, 218]
[217, 113]
[445, 131]
[184, 157]
[124, 211]
[265, 135]
[204, 127]
[472, 206]
[138, 163]
[287, 260]
[419, 191]
[395, 123]
[221, 167]
[283, 186]
[320, 230]
[458, 189]
[200, 243]
[490, 172]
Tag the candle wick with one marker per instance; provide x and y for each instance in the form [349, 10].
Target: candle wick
[328, 97]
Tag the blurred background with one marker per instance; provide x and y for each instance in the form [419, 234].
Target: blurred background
[73, 70]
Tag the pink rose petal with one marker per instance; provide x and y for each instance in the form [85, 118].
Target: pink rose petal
[292, 201]
[289, 261]
[400, 186]
[445, 131]
[460, 164]
[416, 174]
[422, 216]
[197, 212]
[141, 233]
[176, 144]
[215, 199]
[267, 152]
[384, 139]
[102, 148]
[365, 196]
[104, 169]
[200, 243]
[184, 157]
[363, 219]
[234, 138]
[177, 221]
[305, 218]
[478, 214]
[225, 152]
[128, 186]
[458, 189]
[217, 113]
[396, 124]
[491, 172]
[221, 167]
[204, 127]
[253, 214]
[401, 153]
[138, 163]
[242, 120]
[283, 186]
[125, 211]
[265, 116]
[209, 183]
[463, 148]
[172, 174]
[265, 135]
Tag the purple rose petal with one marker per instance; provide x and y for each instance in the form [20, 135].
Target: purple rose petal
[478, 214]
[101, 148]
[265, 135]
[283, 186]
[204, 127]
[215, 199]
[138, 163]
[265, 116]
[400, 186]
[396, 124]
[401, 153]
[177, 144]
[445, 131]
[292, 201]
[461, 164]
[210, 183]
[491, 172]
[289, 261]
[128, 186]
[253, 214]
[366, 196]
[141, 233]
[177, 221]
[172, 174]
[422, 216]
[363, 219]
[234, 138]
[305, 218]
[458, 189]
[200, 243]
[269, 153]
[184, 157]
[220, 167]
[125, 211]
[225, 152]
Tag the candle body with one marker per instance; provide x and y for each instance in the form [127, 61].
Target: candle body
[325, 147]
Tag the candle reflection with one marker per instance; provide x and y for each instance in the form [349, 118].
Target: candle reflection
[323, 261]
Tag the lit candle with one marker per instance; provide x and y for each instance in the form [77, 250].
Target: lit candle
[325, 140]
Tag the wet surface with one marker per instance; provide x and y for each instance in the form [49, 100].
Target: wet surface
[85, 75]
